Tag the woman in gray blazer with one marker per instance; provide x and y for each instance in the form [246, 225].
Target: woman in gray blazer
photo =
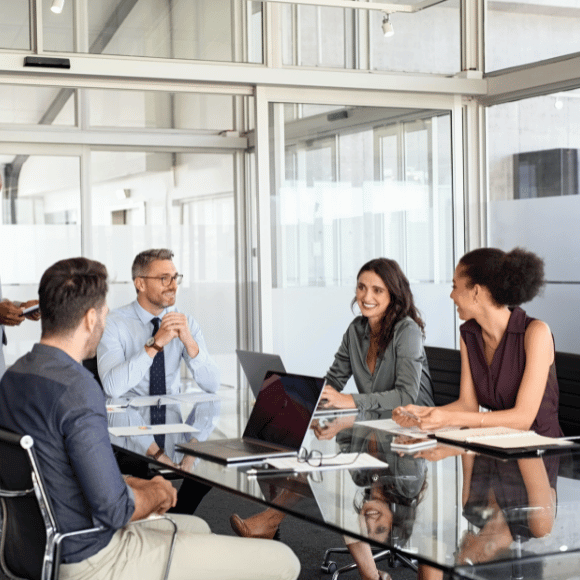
[383, 348]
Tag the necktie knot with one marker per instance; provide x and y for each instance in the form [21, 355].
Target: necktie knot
[156, 322]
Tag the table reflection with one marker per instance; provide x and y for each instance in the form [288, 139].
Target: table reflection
[203, 416]
[443, 506]
[385, 500]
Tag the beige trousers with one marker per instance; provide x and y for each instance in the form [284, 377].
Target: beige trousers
[139, 552]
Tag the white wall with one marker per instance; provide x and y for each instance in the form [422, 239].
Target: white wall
[549, 227]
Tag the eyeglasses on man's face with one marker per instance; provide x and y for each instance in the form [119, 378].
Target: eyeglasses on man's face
[166, 280]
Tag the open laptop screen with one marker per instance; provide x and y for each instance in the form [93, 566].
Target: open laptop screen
[284, 408]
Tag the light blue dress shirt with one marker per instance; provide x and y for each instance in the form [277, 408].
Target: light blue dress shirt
[124, 365]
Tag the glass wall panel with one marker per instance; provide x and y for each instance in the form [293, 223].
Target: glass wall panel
[317, 36]
[15, 24]
[181, 29]
[41, 224]
[30, 105]
[519, 32]
[160, 110]
[349, 186]
[185, 202]
[425, 41]
[57, 29]
[534, 201]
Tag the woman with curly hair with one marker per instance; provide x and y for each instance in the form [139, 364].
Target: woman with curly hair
[507, 358]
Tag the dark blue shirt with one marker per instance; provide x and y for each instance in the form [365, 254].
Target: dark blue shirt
[51, 397]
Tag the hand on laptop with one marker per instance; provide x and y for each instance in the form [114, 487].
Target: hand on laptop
[336, 400]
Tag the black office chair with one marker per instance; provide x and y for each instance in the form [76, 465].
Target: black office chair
[91, 365]
[394, 559]
[30, 541]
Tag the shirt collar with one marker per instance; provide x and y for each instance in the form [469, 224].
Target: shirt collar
[146, 317]
[54, 352]
[517, 321]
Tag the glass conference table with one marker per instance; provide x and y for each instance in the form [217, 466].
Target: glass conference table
[469, 515]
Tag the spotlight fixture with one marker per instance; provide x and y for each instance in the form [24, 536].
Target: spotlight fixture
[57, 6]
[387, 26]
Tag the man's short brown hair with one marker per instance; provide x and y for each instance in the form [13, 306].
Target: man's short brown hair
[67, 291]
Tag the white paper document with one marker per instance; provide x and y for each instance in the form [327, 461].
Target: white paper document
[132, 431]
[182, 398]
[502, 438]
[112, 409]
[341, 461]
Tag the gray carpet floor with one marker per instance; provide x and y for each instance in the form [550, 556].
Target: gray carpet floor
[308, 541]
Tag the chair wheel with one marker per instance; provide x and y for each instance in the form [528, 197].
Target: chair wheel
[329, 568]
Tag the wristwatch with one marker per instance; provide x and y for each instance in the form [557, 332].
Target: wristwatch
[151, 342]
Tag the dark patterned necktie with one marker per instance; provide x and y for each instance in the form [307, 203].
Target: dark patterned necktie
[157, 387]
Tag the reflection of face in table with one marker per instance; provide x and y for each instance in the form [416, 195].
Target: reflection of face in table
[387, 499]
[376, 517]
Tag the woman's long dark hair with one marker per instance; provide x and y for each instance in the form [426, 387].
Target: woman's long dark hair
[401, 304]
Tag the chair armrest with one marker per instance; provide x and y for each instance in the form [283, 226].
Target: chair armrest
[156, 517]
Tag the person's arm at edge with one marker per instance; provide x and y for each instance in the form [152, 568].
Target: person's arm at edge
[117, 373]
[10, 313]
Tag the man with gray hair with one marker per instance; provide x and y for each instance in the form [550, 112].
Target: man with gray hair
[140, 354]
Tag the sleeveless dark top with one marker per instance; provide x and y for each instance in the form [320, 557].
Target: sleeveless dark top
[496, 385]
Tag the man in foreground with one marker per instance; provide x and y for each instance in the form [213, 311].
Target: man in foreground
[49, 395]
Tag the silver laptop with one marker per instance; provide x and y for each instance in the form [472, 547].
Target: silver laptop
[255, 366]
[277, 425]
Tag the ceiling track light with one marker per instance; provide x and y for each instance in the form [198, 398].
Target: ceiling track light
[387, 26]
[57, 6]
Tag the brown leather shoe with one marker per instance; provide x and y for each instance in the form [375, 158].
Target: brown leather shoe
[253, 527]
